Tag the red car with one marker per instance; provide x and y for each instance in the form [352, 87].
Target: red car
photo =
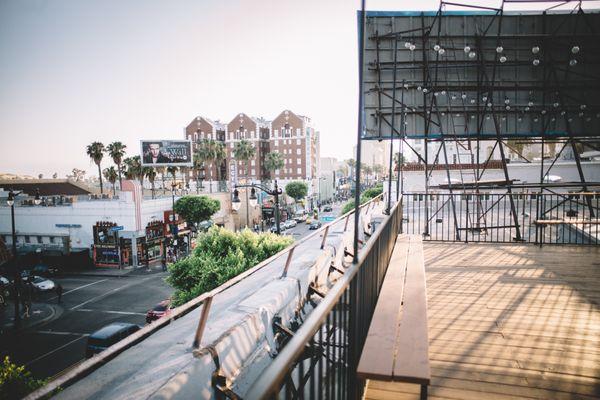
[160, 310]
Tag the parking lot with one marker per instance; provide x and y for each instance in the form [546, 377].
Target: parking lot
[88, 303]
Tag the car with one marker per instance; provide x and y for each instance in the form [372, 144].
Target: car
[327, 208]
[107, 336]
[290, 223]
[44, 270]
[300, 217]
[158, 311]
[5, 287]
[308, 220]
[316, 224]
[41, 284]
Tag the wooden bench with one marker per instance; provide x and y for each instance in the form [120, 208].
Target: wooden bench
[397, 344]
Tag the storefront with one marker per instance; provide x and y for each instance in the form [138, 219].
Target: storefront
[177, 235]
[106, 244]
[154, 243]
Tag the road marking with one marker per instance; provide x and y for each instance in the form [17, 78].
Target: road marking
[109, 292]
[62, 333]
[111, 312]
[77, 288]
[54, 351]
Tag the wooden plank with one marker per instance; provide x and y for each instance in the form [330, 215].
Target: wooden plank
[412, 361]
[377, 357]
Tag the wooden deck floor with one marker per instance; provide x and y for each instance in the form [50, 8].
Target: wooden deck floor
[509, 322]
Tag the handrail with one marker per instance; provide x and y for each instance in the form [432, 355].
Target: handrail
[274, 374]
[90, 365]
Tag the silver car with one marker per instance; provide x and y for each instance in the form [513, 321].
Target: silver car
[42, 284]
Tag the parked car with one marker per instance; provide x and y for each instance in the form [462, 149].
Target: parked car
[316, 224]
[41, 284]
[107, 336]
[300, 217]
[158, 311]
[308, 220]
[5, 287]
[44, 270]
[327, 208]
[290, 223]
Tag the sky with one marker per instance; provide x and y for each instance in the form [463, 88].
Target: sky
[74, 72]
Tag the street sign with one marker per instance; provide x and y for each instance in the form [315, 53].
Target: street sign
[67, 225]
[327, 219]
[116, 228]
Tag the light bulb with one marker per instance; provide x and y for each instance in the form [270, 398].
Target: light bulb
[535, 49]
[489, 104]
[575, 49]
[441, 52]
[526, 108]
[530, 104]
[407, 44]
[535, 120]
[472, 54]
[506, 101]
[503, 118]
[573, 62]
[419, 88]
[425, 90]
[580, 114]
[472, 101]
[519, 119]
[484, 98]
[453, 97]
[552, 119]
[563, 112]
[536, 62]
[443, 92]
[472, 117]
[543, 112]
[502, 59]
[507, 108]
[458, 115]
[570, 120]
[499, 49]
[555, 105]
[435, 94]
[463, 96]
[582, 107]
[412, 47]
[467, 49]
[437, 47]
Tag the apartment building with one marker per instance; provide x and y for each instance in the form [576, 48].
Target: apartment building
[290, 134]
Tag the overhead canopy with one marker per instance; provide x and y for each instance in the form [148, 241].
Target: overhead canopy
[47, 187]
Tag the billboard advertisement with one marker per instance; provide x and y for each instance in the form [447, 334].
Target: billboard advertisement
[160, 153]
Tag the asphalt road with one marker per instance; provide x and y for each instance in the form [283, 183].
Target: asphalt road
[88, 304]
[301, 230]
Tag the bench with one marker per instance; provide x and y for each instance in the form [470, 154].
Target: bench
[397, 344]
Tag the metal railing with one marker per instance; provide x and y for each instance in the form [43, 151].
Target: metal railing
[548, 218]
[321, 358]
[205, 300]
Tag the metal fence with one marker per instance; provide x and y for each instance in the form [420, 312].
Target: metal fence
[320, 360]
[548, 218]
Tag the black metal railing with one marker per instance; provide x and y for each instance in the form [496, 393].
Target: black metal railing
[320, 360]
[548, 218]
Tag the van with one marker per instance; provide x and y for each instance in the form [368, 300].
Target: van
[107, 336]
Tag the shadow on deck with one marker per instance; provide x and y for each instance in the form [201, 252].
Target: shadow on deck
[509, 321]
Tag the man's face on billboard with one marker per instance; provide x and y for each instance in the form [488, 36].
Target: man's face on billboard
[154, 149]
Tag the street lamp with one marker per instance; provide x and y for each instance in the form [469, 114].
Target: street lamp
[17, 274]
[276, 191]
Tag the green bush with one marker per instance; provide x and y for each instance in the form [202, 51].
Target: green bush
[349, 206]
[219, 256]
[370, 193]
[16, 382]
[195, 209]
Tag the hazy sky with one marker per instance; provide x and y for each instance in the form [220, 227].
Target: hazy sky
[73, 72]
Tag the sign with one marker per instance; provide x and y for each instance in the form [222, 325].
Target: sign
[116, 228]
[67, 225]
[160, 153]
[327, 219]
[233, 173]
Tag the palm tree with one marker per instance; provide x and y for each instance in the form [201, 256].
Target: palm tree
[273, 162]
[244, 151]
[378, 169]
[111, 175]
[352, 165]
[96, 151]
[197, 167]
[220, 156]
[116, 150]
[134, 167]
[399, 160]
[206, 154]
[367, 170]
[150, 173]
[172, 170]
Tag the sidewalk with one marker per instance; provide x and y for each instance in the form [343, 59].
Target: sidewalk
[155, 267]
[39, 314]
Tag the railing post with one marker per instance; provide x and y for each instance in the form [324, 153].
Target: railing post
[324, 237]
[288, 261]
[202, 322]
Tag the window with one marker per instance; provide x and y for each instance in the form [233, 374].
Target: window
[253, 171]
[298, 151]
[298, 142]
[253, 163]
[299, 170]
[298, 161]
[276, 143]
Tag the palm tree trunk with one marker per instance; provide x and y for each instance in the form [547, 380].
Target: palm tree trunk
[100, 176]
[120, 180]
[210, 180]
[152, 182]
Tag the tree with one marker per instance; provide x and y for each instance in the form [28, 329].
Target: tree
[195, 209]
[16, 382]
[134, 167]
[111, 175]
[399, 160]
[77, 174]
[95, 151]
[273, 162]
[198, 165]
[244, 151]
[297, 190]
[351, 162]
[40, 176]
[220, 156]
[172, 170]
[55, 175]
[378, 169]
[116, 150]
[150, 173]
[219, 256]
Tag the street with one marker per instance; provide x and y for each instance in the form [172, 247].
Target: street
[302, 229]
[88, 303]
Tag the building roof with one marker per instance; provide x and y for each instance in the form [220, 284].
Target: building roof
[47, 187]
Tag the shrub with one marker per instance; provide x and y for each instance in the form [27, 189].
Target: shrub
[370, 193]
[196, 209]
[296, 189]
[16, 382]
[349, 206]
[219, 256]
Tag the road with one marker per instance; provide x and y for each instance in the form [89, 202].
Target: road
[301, 230]
[88, 304]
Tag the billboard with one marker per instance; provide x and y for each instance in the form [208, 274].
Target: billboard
[160, 153]
[481, 74]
